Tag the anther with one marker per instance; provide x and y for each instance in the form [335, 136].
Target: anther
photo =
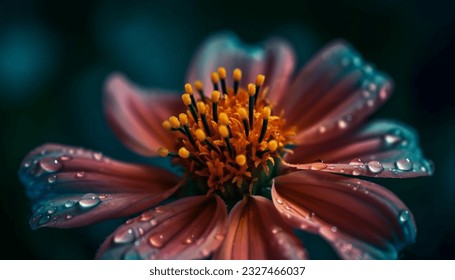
[272, 145]
[201, 137]
[237, 76]
[215, 98]
[188, 102]
[266, 112]
[259, 82]
[251, 95]
[175, 124]
[240, 160]
[222, 75]
[224, 120]
[202, 110]
[224, 133]
[163, 152]
[215, 80]
[189, 90]
[184, 153]
[243, 115]
[167, 125]
[200, 89]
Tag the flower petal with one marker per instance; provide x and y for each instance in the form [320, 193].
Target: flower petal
[360, 219]
[275, 59]
[380, 149]
[334, 93]
[136, 116]
[189, 228]
[256, 231]
[71, 187]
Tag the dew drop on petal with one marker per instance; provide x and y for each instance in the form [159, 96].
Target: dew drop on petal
[404, 216]
[160, 209]
[52, 210]
[375, 166]
[356, 161]
[342, 124]
[153, 222]
[89, 200]
[44, 219]
[318, 166]
[391, 139]
[80, 174]
[50, 164]
[219, 236]
[322, 129]
[68, 217]
[404, 164]
[97, 156]
[65, 157]
[334, 229]
[279, 201]
[27, 164]
[124, 236]
[52, 179]
[146, 216]
[276, 230]
[69, 204]
[141, 231]
[156, 240]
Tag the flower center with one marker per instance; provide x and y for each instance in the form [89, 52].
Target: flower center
[232, 140]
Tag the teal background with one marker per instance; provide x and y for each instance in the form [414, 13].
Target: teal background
[55, 55]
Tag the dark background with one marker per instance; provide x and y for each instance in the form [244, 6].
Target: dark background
[55, 55]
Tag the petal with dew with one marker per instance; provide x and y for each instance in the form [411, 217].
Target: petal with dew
[189, 228]
[72, 187]
[360, 219]
[274, 59]
[136, 116]
[333, 94]
[256, 231]
[379, 149]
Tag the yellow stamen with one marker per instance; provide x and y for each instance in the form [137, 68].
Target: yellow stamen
[215, 80]
[199, 87]
[167, 125]
[266, 112]
[260, 80]
[243, 114]
[183, 118]
[216, 96]
[237, 74]
[273, 145]
[188, 88]
[223, 130]
[251, 89]
[223, 119]
[184, 153]
[222, 72]
[186, 99]
[240, 160]
[175, 123]
[201, 107]
[163, 152]
[200, 135]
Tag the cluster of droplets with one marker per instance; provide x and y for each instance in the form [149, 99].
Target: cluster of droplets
[49, 167]
[230, 139]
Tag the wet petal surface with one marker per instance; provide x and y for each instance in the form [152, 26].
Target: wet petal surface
[189, 228]
[70, 186]
[360, 219]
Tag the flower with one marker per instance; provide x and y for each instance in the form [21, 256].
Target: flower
[262, 152]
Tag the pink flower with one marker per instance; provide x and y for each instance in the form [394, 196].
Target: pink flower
[262, 151]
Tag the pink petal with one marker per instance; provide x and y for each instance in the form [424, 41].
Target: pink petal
[275, 59]
[256, 231]
[72, 187]
[189, 228]
[333, 94]
[136, 116]
[360, 219]
[380, 149]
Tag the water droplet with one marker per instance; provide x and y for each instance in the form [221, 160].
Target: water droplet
[404, 216]
[97, 156]
[69, 204]
[89, 200]
[27, 164]
[80, 174]
[68, 217]
[391, 139]
[50, 164]
[44, 219]
[322, 129]
[65, 158]
[189, 240]
[342, 124]
[219, 236]
[375, 166]
[356, 161]
[318, 166]
[146, 216]
[357, 171]
[129, 221]
[156, 240]
[404, 164]
[52, 179]
[276, 230]
[153, 222]
[160, 209]
[141, 231]
[311, 215]
[334, 229]
[279, 201]
[124, 236]
[52, 210]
